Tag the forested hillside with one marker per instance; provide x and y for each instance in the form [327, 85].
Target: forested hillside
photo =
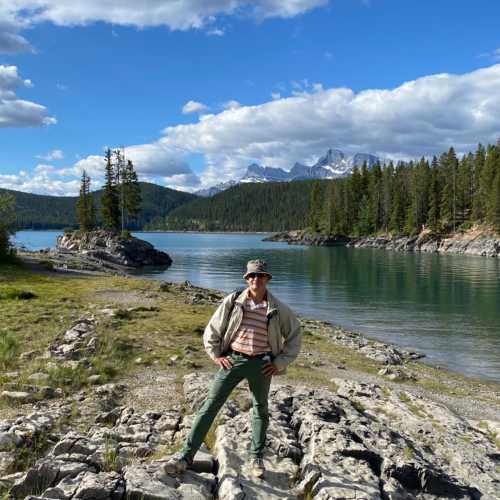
[445, 195]
[274, 206]
[56, 212]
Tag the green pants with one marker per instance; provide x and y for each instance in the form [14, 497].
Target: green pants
[222, 385]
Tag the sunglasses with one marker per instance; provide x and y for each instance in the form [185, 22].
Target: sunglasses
[256, 275]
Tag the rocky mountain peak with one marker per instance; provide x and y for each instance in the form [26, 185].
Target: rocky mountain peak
[331, 165]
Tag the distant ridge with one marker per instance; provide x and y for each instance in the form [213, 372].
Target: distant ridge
[332, 165]
[35, 211]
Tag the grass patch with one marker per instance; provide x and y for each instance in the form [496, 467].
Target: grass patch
[408, 452]
[9, 349]
[310, 376]
[413, 407]
[359, 406]
[110, 458]
[492, 436]
[153, 333]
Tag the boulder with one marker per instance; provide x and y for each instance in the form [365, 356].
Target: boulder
[102, 245]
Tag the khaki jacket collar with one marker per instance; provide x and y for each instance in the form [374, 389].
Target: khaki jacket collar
[272, 303]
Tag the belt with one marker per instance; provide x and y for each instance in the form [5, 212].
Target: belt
[248, 356]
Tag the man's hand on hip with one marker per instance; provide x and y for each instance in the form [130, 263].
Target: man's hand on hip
[269, 369]
[223, 362]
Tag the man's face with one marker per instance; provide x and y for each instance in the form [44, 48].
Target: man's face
[257, 282]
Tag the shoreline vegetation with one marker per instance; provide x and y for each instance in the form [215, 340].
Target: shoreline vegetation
[93, 352]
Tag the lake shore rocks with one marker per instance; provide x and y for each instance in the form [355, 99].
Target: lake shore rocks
[364, 441]
[107, 246]
[472, 242]
[301, 237]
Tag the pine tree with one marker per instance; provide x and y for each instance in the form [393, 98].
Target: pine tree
[387, 188]
[364, 226]
[314, 217]
[478, 210]
[489, 174]
[132, 192]
[375, 197]
[398, 211]
[495, 203]
[433, 214]
[85, 206]
[110, 203]
[7, 218]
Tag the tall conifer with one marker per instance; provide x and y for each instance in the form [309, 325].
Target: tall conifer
[85, 206]
[110, 201]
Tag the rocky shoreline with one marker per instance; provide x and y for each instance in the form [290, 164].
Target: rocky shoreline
[473, 242]
[367, 437]
[98, 251]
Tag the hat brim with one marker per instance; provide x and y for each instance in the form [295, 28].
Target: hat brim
[269, 275]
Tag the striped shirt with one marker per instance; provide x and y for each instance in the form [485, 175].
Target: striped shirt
[251, 337]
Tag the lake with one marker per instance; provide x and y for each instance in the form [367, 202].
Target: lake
[445, 306]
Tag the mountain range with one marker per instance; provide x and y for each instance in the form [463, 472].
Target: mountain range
[332, 165]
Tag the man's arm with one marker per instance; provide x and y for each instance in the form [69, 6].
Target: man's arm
[214, 331]
[290, 329]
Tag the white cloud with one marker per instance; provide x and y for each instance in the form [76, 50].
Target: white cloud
[150, 161]
[194, 107]
[423, 116]
[216, 32]
[55, 154]
[10, 40]
[40, 183]
[231, 104]
[16, 112]
[420, 117]
[174, 14]
[182, 182]
[275, 95]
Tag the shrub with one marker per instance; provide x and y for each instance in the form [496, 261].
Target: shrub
[13, 294]
[9, 348]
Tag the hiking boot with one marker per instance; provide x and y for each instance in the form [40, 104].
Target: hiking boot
[257, 467]
[177, 464]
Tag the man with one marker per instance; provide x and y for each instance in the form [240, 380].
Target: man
[252, 336]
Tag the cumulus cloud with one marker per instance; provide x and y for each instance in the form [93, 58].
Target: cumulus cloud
[40, 183]
[55, 154]
[16, 112]
[175, 15]
[232, 104]
[193, 107]
[11, 42]
[423, 116]
[153, 161]
[420, 117]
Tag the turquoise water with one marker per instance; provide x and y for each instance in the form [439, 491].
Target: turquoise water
[446, 306]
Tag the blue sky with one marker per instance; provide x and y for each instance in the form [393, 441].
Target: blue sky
[197, 90]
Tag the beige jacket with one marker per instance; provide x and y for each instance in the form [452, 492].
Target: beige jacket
[283, 329]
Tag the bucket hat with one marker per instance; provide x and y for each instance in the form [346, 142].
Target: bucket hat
[258, 267]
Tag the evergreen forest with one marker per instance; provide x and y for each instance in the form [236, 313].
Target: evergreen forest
[33, 211]
[444, 194]
[273, 206]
